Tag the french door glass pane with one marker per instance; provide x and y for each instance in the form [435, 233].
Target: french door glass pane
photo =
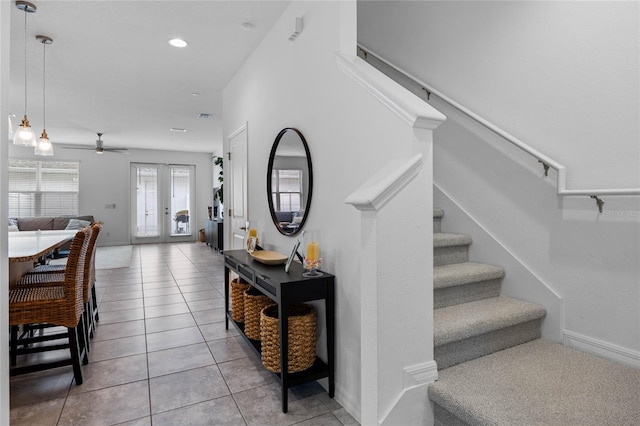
[180, 199]
[147, 202]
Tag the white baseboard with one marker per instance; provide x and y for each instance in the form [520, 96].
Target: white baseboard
[347, 401]
[601, 348]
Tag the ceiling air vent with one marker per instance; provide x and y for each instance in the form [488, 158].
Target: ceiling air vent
[203, 116]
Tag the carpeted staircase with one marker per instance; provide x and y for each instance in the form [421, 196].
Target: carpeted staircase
[494, 369]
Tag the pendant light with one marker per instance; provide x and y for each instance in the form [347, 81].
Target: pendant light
[24, 134]
[43, 146]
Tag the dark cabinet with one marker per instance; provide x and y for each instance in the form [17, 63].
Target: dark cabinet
[286, 289]
[213, 234]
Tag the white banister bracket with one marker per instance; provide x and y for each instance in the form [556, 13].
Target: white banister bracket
[413, 110]
[385, 184]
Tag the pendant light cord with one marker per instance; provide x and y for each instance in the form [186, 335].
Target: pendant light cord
[44, 84]
[25, 61]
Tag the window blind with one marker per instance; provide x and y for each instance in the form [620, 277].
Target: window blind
[287, 189]
[43, 188]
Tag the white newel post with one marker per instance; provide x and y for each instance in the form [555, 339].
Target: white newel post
[396, 264]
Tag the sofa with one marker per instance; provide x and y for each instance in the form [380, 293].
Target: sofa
[289, 221]
[50, 223]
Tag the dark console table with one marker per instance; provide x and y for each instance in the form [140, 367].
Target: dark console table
[286, 289]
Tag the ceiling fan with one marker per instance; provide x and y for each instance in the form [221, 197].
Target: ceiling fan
[99, 148]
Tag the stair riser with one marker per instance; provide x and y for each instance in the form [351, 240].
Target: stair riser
[464, 293]
[465, 350]
[443, 417]
[451, 254]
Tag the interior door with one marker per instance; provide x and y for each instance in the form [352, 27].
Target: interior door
[237, 211]
[162, 202]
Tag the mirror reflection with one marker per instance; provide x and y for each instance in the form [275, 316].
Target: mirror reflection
[289, 181]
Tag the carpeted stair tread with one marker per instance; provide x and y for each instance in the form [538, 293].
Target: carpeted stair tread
[464, 273]
[458, 322]
[539, 383]
[443, 239]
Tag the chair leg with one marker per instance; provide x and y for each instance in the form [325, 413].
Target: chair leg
[82, 340]
[14, 345]
[95, 303]
[91, 309]
[74, 347]
[86, 327]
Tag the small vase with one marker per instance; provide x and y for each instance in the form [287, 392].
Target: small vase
[312, 260]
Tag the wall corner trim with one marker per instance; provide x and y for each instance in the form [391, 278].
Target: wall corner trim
[420, 374]
[385, 184]
[406, 408]
[413, 110]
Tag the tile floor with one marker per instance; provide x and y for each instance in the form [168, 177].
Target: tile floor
[161, 356]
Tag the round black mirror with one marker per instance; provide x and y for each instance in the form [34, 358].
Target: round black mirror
[289, 181]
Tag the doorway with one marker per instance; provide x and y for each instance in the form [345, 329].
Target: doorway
[162, 200]
[237, 213]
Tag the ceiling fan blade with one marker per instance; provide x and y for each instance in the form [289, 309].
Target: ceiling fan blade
[116, 150]
[92, 148]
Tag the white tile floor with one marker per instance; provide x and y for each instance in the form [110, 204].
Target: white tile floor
[161, 355]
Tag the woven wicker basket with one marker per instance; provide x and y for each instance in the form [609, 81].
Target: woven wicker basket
[237, 299]
[254, 301]
[302, 337]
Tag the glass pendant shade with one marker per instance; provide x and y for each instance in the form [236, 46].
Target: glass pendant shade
[24, 134]
[43, 147]
[10, 126]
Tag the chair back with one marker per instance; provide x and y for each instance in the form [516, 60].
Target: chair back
[74, 272]
[89, 277]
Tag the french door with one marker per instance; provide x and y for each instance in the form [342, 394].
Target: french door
[162, 203]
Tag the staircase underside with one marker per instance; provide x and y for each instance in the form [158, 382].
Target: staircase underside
[537, 383]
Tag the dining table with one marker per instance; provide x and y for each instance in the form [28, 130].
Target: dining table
[27, 247]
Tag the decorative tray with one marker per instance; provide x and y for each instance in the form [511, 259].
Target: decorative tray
[268, 257]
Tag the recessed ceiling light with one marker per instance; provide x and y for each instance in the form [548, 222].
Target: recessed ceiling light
[177, 42]
[248, 26]
[177, 129]
[195, 94]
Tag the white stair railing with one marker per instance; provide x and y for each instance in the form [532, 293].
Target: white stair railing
[547, 162]
[396, 258]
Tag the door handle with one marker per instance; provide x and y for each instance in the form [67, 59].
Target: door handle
[243, 228]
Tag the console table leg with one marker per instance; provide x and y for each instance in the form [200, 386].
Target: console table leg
[226, 297]
[283, 313]
[331, 327]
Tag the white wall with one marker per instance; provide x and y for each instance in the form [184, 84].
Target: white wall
[562, 76]
[350, 136]
[105, 179]
[5, 8]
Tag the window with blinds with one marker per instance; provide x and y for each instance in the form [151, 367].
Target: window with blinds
[43, 188]
[287, 190]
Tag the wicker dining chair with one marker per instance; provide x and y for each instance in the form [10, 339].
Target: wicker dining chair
[54, 275]
[58, 305]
